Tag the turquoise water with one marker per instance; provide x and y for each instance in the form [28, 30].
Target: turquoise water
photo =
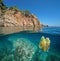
[25, 46]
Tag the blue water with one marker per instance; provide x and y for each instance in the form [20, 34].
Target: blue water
[52, 32]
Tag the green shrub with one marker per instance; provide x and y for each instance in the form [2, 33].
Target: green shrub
[2, 5]
[1, 1]
[14, 8]
[26, 12]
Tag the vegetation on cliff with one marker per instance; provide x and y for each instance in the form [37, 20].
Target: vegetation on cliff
[2, 5]
[3, 8]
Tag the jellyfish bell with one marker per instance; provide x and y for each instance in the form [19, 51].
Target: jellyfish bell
[42, 42]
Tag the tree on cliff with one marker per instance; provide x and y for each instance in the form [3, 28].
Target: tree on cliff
[2, 5]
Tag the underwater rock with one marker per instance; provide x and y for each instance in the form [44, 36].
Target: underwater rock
[44, 43]
[8, 58]
[24, 50]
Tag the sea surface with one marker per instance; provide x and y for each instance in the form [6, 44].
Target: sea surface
[51, 30]
[53, 33]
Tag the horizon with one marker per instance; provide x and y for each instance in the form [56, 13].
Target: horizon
[47, 11]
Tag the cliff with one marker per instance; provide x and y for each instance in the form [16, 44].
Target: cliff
[43, 25]
[13, 20]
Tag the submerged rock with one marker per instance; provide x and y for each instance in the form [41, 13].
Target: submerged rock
[24, 50]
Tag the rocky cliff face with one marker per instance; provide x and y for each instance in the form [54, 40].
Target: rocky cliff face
[15, 21]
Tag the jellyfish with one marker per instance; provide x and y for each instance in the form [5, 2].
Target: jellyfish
[44, 43]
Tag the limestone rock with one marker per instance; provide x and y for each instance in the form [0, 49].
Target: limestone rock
[20, 49]
[15, 21]
[24, 50]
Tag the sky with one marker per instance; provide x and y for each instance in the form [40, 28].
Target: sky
[47, 11]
